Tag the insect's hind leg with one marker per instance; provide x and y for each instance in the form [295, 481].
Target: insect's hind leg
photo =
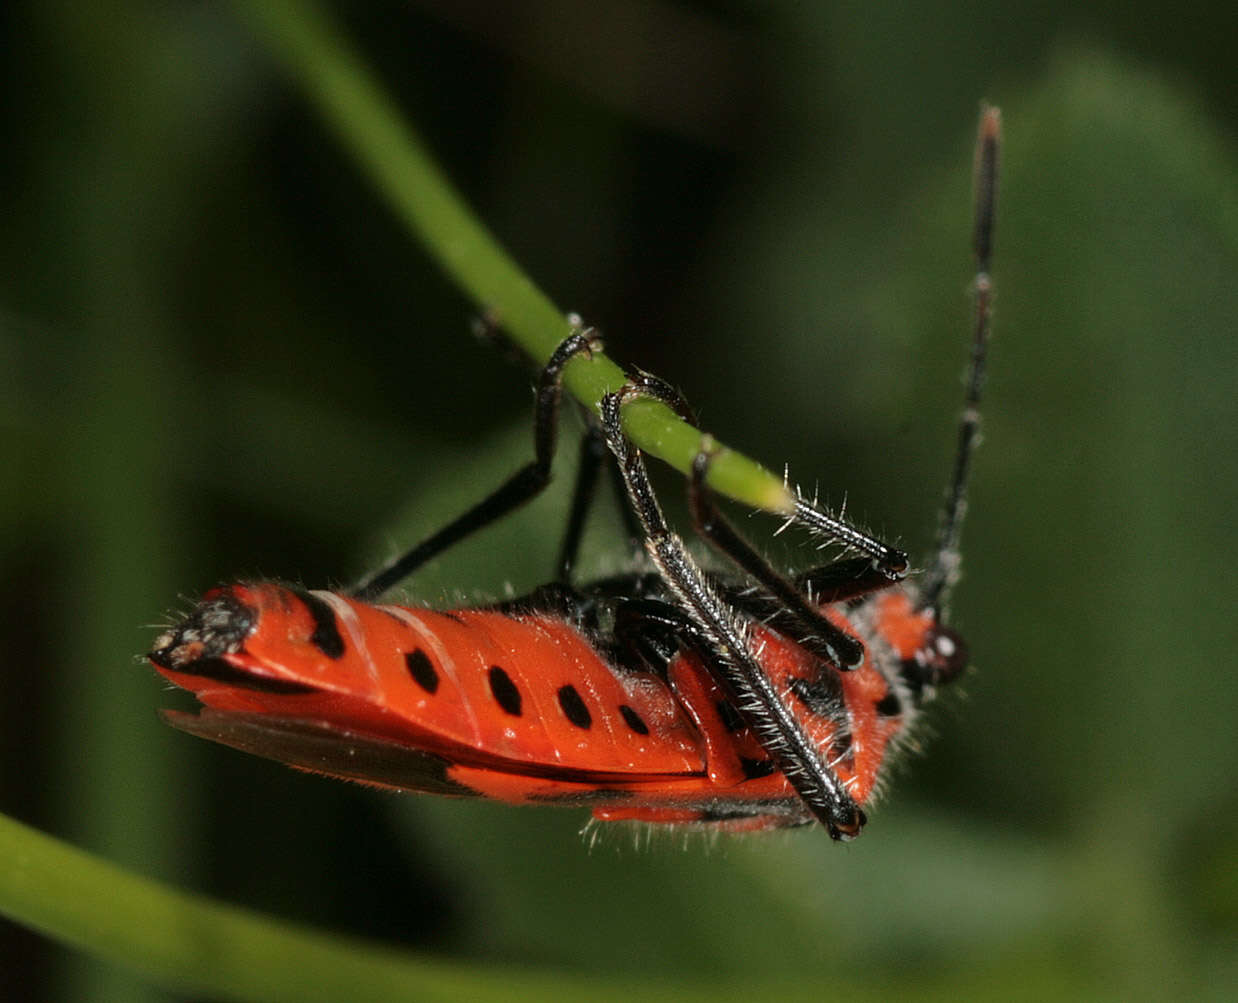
[725, 634]
[522, 486]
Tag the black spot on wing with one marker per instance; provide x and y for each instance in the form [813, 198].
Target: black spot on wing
[574, 708]
[505, 691]
[633, 720]
[422, 670]
[326, 636]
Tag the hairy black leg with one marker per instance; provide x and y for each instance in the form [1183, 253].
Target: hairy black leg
[647, 385]
[840, 581]
[631, 525]
[816, 633]
[812, 630]
[724, 634]
[890, 563]
[655, 631]
[593, 454]
[522, 486]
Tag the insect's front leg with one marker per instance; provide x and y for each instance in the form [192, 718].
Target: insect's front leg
[811, 630]
[725, 632]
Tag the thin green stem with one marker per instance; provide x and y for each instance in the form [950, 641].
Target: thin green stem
[199, 947]
[367, 123]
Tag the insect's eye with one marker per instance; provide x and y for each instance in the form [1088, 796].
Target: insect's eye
[942, 657]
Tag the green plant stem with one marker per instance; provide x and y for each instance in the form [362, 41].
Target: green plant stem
[389, 151]
[200, 947]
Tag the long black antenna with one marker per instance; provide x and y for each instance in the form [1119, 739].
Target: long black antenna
[945, 570]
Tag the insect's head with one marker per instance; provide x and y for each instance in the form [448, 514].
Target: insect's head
[940, 657]
[930, 653]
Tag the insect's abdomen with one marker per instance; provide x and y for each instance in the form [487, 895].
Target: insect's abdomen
[470, 685]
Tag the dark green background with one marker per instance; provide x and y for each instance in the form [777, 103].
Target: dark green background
[220, 356]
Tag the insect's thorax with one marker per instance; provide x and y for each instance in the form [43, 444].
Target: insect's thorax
[858, 718]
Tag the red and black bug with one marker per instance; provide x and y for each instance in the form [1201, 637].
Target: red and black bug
[747, 700]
